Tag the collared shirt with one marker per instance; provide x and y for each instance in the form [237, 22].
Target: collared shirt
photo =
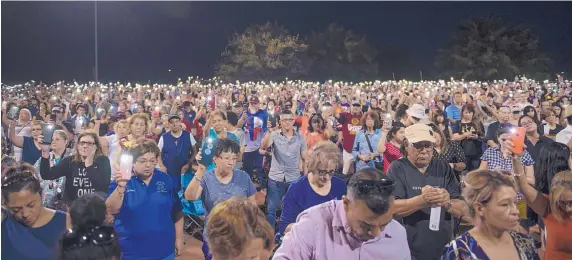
[534, 149]
[361, 147]
[496, 160]
[145, 221]
[322, 233]
[286, 156]
[564, 136]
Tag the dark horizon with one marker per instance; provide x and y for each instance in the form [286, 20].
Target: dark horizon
[142, 41]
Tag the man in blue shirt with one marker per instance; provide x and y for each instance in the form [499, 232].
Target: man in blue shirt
[454, 110]
[176, 148]
[146, 209]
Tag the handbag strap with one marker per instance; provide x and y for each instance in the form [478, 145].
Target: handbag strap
[369, 143]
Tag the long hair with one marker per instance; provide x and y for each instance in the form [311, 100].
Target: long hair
[552, 160]
[376, 120]
[315, 117]
[98, 152]
[444, 142]
[475, 120]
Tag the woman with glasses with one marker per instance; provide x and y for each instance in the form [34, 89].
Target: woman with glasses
[365, 144]
[29, 230]
[555, 209]
[491, 197]
[146, 208]
[469, 131]
[221, 183]
[52, 190]
[238, 230]
[29, 145]
[86, 171]
[317, 186]
[89, 238]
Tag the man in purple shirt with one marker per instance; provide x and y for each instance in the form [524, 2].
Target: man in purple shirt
[360, 226]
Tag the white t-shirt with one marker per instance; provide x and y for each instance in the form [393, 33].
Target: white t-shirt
[23, 130]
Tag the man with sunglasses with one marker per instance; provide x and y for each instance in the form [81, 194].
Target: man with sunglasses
[350, 122]
[422, 183]
[288, 147]
[359, 226]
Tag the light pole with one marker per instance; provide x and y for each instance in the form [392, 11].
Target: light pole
[96, 54]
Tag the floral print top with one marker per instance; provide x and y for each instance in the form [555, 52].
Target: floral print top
[465, 247]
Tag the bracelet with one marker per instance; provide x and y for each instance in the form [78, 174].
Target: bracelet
[198, 178]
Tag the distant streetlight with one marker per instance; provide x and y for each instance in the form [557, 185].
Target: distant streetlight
[169, 70]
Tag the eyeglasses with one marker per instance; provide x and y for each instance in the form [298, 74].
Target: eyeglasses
[151, 162]
[423, 145]
[98, 235]
[322, 173]
[36, 129]
[383, 187]
[287, 119]
[86, 143]
[228, 158]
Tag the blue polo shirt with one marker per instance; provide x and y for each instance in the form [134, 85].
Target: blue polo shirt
[144, 224]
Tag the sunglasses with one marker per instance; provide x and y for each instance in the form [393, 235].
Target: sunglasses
[423, 145]
[382, 187]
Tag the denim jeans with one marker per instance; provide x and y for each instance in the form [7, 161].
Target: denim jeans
[275, 193]
[252, 162]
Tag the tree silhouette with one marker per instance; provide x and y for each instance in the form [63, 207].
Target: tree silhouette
[486, 48]
[263, 52]
[339, 53]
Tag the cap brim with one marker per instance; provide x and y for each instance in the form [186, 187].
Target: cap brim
[422, 139]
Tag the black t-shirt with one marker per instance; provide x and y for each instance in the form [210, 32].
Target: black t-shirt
[472, 147]
[423, 242]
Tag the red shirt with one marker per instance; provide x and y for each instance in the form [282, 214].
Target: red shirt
[391, 154]
[350, 127]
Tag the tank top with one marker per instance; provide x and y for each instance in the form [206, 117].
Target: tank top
[18, 244]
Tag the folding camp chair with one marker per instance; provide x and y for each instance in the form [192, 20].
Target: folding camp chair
[193, 211]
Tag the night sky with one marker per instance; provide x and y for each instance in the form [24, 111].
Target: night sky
[141, 41]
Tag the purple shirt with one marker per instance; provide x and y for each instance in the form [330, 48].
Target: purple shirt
[322, 233]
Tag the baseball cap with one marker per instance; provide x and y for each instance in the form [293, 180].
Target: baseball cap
[418, 133]
[172, 116]
[57, 108]
[254, 100]
[417, 111]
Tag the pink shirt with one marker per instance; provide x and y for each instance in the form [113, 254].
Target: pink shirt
[322, 233]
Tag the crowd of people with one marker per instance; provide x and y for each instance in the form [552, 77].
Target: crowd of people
[288, 170]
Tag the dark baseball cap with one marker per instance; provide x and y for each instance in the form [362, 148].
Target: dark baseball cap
[254, 100]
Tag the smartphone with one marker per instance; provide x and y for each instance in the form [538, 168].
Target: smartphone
[13, 112]
[125, 166]
[53, 117]
[517, 137]
[207, 151]
[48, 131]
[387, 120]
[99, 113]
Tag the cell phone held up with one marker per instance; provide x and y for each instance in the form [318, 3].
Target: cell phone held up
[48, 131]
[13, 112]
[125, 166]
[517, 138]
[99, 113]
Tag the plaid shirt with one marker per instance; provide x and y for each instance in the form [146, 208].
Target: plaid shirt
[496, 161]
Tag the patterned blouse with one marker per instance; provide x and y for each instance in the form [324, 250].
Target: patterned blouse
[52, 190]
[453, 154]
[496, 160]
[465, 247]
